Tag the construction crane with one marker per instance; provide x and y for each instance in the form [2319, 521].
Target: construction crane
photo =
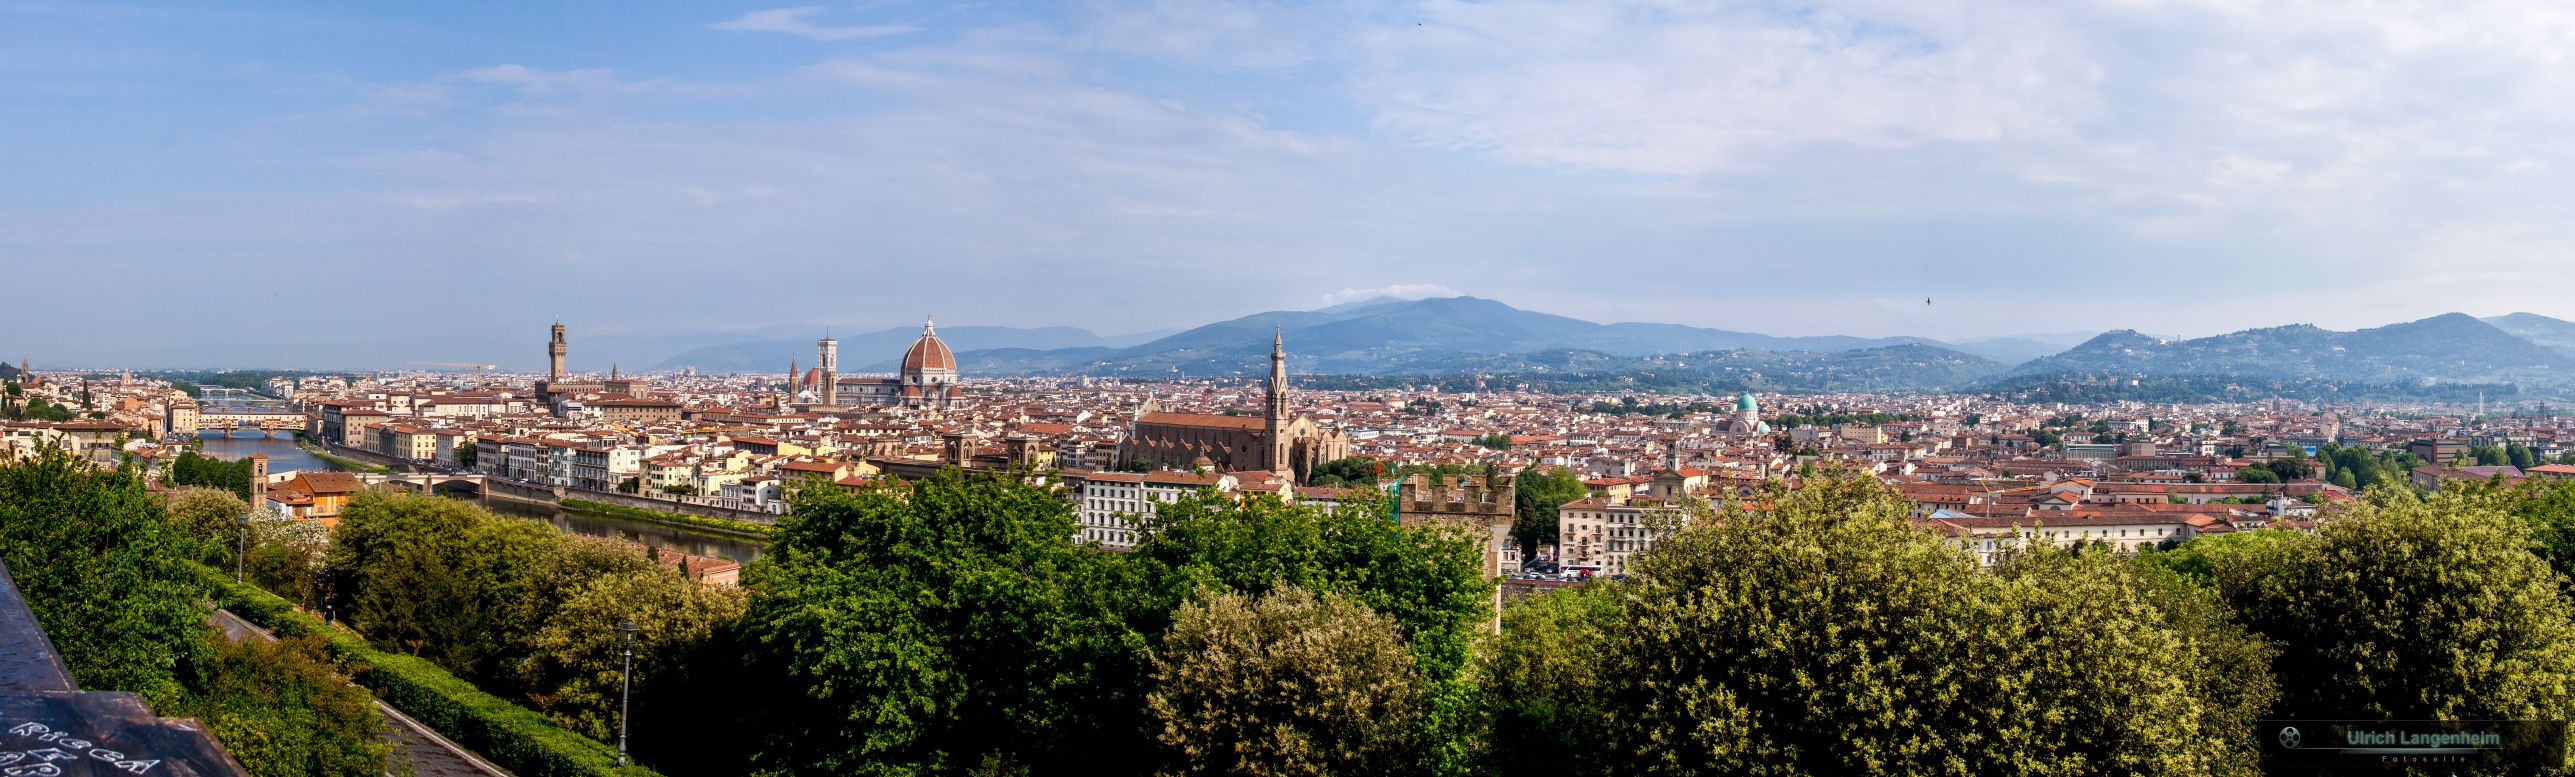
[477, 368]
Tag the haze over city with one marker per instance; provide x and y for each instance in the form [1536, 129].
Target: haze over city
[476, 169]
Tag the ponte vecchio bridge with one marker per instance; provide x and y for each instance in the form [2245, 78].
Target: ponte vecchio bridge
[226, 409]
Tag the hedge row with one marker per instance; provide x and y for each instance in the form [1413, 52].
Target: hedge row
[518, 739]
[756, 530]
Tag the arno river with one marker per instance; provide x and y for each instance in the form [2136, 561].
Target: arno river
[283, 456]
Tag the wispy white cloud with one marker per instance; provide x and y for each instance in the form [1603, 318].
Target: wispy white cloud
[798, 21]
[534, 83]
[1397, 291]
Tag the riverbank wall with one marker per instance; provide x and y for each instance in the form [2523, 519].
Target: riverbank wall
[670, 506]
[553, 497]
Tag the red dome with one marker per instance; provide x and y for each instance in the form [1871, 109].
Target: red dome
[929, 352]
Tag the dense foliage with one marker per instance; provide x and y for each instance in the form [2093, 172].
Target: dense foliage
[1542, 679]
[1354, 471]
[517, 739]
[1827, 636]
[937, 626]
[99, 562]
[283, 710]
[1356, 705]
[952, 624]
[192, 469]
[1537, 494]
[519, 609]
[107, 569]
[2411, 608]
[2356, 468]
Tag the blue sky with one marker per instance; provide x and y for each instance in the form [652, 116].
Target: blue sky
[273, 183]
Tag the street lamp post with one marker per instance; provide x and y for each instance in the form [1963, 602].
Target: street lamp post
[625, 686]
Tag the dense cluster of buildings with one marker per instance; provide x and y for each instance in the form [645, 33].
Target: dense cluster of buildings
[1987, 473]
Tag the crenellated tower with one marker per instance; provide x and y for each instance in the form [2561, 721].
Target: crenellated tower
[554, 351]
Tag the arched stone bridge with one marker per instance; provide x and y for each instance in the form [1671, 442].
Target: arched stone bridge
[433, 482]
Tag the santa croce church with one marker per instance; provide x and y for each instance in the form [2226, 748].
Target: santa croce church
[1276, 441]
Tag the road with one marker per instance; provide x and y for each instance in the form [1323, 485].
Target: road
[427, 753]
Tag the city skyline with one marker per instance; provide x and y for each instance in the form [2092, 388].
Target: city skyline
[2179, 169]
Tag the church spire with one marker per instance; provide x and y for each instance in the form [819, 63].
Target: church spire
[1278, 394]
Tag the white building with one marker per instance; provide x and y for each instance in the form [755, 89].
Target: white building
[1111, 502]
[1606, 534]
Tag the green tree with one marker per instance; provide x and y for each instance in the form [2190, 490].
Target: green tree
[501, 560]
[2222, 679]
[286, 556]
[2488, 455]
[1536, 496]
[2542, 509]
[443, 580]
[105, 572]
[37, 409]
[573, 662]
[466, 453]
[1497, 441]
[1826, 635]
[282, 710]
[940, 625]
[210, 519]
[2198, 559]
[1430, 580]
[2408, 607]
[1288, 683]
[1353, 471]
[1542, 679]
[2289, 469]
[191, 469]
[2519, 455]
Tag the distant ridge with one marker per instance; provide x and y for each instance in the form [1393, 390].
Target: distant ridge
[1392, 338]
[2551, 333]
[1380, 336]
[2452, 347]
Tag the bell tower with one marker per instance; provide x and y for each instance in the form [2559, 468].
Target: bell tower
[554, 351]
[829, 363]
[1274, 428]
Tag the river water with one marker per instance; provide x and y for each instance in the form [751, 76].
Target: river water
[283, 456]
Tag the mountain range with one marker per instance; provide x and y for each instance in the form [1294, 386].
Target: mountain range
[1388, 336]
[1488, 341]
[2452, 347]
